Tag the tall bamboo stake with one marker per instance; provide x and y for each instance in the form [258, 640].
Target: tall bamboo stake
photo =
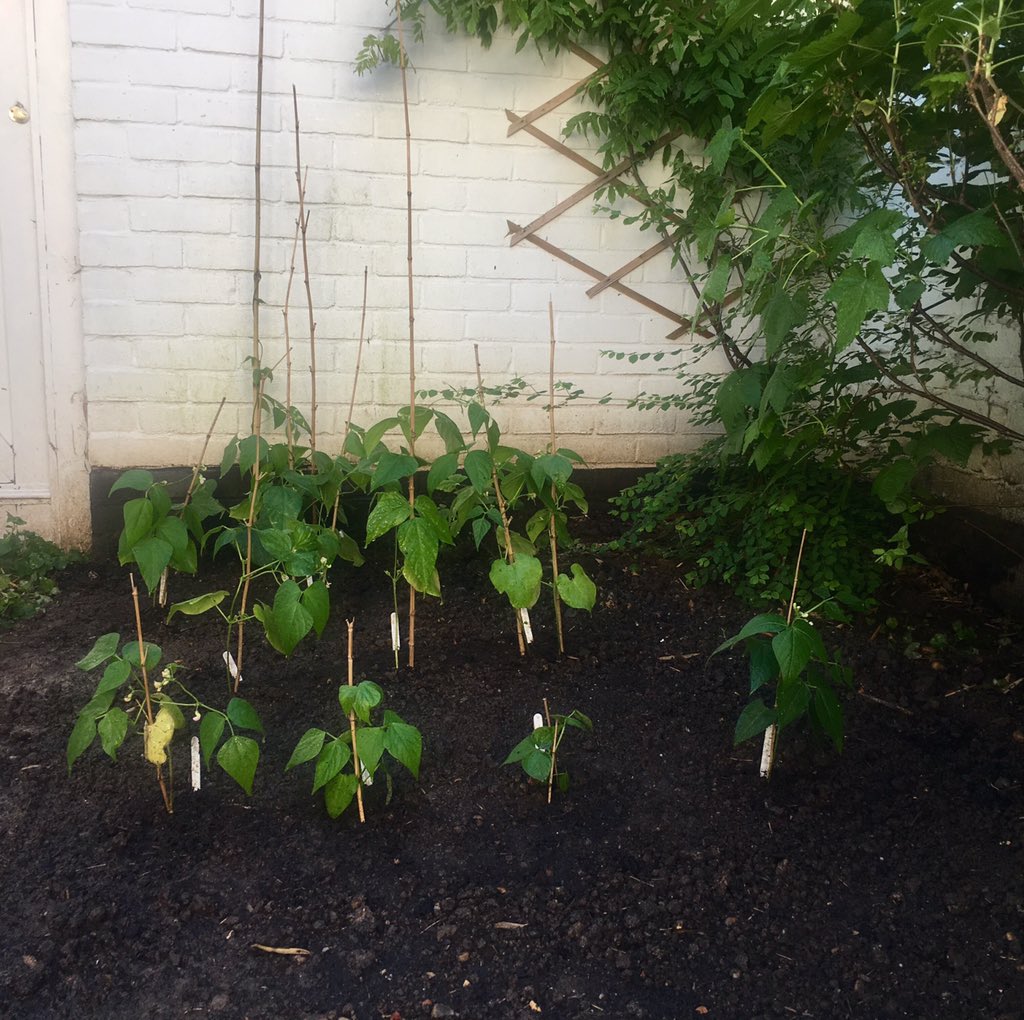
[412, 318]
[502, 508]
[162, 596]
[772, 732]
[168, 802]
[552, 526]
[352, 730]
[303, 227]
[257, 351]
[249, 524]
[352, 403]
[288, 425]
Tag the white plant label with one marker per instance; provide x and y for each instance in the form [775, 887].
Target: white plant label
[197, 779]
[538, 720]
[524, 615]
[229, 661]
[367, 778]
[768, 751]
[396, 634]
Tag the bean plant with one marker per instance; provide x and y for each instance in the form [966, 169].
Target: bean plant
[537, 753]
[118, 707]
[336, 771]
[791, 658]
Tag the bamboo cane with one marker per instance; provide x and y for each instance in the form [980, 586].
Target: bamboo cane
[168, 801]
[502, 509]
[257, 350]
[552, 526]
[352, 729]
[303, 227]
[412, 318]
[772, 732]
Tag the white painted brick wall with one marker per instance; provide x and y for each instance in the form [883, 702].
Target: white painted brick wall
[164, 102]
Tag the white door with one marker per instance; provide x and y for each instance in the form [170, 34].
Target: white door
[43, 471]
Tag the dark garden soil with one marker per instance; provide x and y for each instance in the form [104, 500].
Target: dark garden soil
[669, 882]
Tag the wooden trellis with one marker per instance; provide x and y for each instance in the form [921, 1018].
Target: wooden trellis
[602, 178]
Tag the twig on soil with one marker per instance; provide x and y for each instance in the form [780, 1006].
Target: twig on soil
[881, 701]
[280, 950]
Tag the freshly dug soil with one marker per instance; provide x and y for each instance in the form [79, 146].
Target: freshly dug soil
[669, 882]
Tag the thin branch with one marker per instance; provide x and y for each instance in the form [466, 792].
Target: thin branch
[303, 227]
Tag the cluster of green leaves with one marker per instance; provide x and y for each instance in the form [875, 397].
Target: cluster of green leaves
[159, 533]
[467, 473]
[537, 752]
[391, 738]
[27, 565]
[733, 524]
[118, 707]
[791, 658]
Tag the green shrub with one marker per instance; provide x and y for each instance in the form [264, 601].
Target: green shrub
[27, 562]
[729, 522]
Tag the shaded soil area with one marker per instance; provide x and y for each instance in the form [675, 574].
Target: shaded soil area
[669, 882]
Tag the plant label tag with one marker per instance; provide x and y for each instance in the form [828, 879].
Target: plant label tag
[524, 615]
[396, 634]
[367, 778]
[229, 661]
[197, 779]
[538, 720]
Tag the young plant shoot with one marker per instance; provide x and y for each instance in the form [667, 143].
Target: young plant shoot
[538, 753]
[350, 760]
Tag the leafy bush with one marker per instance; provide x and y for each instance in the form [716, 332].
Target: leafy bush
[734, 524]
[27, 562]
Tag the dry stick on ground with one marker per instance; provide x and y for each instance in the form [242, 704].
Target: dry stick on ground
[771, 734]
[552, 526]
[162, 597]
[352, 729]
[168, 802]
[509, 553]
[402, 61]
[352, 400]
[257, 354]
[303, 227]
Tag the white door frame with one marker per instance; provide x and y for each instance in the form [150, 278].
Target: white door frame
[63, 514]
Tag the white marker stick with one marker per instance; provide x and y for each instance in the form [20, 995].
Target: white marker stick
[524, 615]
[229, 661]
[396, 634]
[197, 779]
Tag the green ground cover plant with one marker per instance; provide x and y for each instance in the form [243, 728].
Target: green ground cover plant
[27, 565]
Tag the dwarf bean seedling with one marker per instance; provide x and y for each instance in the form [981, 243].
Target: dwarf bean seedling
[336, 756]
[538, 753]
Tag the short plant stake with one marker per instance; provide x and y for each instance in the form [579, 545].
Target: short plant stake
[352, 729]
[502, 509]
[537, 754]
[771, 734]
[151, 728]
[787, 652]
